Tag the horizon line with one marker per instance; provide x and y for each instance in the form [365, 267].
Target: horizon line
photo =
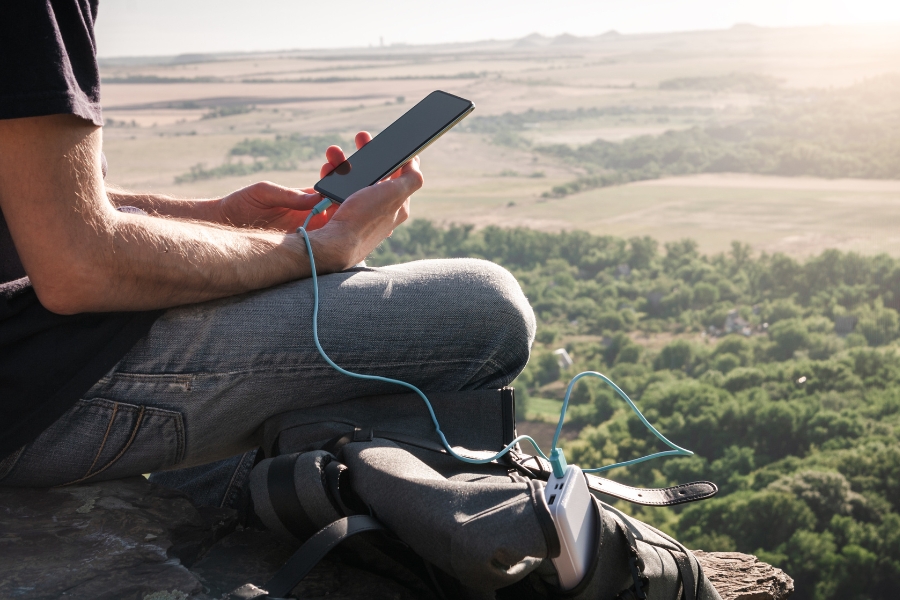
[402, 45]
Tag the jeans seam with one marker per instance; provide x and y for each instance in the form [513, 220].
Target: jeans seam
[109, 425]
[134, 431]
[175, 416]
[178, 421]
[229, 490]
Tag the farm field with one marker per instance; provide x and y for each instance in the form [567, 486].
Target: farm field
[167, 115]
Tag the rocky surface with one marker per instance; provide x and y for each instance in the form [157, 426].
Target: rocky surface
[132, 540]
[739, 576]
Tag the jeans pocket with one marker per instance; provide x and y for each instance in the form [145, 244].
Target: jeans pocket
[100, 439]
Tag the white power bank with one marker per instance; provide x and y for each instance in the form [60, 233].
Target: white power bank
[572, 509]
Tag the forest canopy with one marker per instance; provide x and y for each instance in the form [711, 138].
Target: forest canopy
[780, 374]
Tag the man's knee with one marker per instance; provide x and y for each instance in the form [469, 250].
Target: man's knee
[496, 312]
[497, 296]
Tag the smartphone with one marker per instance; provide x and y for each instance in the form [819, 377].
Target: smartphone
[395, 146]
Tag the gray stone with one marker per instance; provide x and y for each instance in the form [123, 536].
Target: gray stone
[105, 540]
[130, 539]
[739, 576]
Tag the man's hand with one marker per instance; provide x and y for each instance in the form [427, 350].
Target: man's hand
[267, 205]
[367, 217]
[350, 232]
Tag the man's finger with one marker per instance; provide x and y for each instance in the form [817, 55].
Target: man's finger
[409, 181]
[362, 138]
[414, 160]
[334, 155]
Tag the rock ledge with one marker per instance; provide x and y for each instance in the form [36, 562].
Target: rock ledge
[130, 539]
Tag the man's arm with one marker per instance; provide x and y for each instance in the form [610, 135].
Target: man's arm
[263, 205]
[160, 205]
[84, 256]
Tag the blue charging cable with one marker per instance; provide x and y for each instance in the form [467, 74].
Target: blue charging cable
[557, 458]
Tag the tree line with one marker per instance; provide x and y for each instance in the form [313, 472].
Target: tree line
[848, 132]
[795, 414]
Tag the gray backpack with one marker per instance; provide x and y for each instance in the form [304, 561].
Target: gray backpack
[448, 529]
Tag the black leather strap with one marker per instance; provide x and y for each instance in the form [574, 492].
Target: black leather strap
[688, 492]
[315, 549]
[679, 494]
[283, 496]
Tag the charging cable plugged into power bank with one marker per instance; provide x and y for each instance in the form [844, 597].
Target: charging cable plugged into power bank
[572, 508]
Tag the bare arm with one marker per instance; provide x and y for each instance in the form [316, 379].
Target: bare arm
[160, 205]
[263, 205]
[84, 256]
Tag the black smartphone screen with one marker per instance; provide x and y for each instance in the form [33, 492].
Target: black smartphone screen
[393, 147]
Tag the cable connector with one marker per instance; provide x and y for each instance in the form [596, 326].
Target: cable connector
[317, 209]
[558, 462]
[322, 206]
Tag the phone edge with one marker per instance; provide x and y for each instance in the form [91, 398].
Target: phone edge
[415, 152]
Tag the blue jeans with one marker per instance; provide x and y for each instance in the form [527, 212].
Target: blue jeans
[194, 392]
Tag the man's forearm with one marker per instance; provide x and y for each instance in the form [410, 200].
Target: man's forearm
[134, 262]
[84, 256]
[166, 206]
[145, 262]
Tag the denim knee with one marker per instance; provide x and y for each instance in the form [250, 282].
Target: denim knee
[501, 302]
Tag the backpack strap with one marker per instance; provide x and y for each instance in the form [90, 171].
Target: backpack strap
[538, 468]
[308, 556]
[638, 589]
[688, 584]
[670, 496]
[283, 496]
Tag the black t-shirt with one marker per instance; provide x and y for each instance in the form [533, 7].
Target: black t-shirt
[48, 66]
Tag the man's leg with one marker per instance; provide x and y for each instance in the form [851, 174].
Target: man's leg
[198, 387]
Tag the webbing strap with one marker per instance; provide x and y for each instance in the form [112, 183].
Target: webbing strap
[635, 563]
[315, 549]
[688, 585]
[283, 496]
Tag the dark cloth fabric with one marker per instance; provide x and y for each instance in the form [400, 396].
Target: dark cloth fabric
[49, 61]
[48, 66]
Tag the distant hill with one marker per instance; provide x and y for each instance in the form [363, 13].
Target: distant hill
[566, 39]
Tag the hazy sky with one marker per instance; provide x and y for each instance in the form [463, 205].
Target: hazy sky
[154, 27]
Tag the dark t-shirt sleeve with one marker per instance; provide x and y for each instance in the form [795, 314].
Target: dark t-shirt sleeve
[48, 63]
[48, 66]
